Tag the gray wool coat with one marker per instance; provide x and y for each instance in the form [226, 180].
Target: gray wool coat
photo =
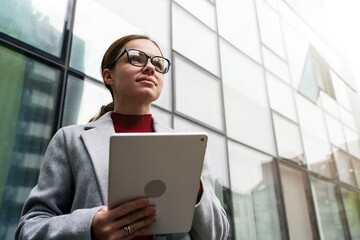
[72, 187]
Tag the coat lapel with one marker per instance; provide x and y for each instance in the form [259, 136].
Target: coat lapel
[97, 142]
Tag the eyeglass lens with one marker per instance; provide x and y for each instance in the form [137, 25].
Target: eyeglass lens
[139, 58]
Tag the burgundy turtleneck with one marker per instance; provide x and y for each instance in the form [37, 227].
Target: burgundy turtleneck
[133, 123]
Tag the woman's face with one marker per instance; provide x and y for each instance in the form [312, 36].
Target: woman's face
[140, 85]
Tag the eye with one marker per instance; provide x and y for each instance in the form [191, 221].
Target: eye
[158, 63]
[137, 57]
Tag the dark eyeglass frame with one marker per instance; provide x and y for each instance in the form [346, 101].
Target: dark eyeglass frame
[146, 61]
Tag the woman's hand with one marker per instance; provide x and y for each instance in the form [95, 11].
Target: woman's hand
[137, 215]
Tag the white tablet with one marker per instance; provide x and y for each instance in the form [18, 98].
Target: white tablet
[166, 167]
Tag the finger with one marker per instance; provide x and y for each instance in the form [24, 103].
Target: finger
[135, 216]
[127, 207]
[137, 233]
[135, 226]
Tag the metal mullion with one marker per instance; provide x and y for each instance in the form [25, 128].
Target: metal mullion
[194, 120]
[20, 48]
[231, 205]
[342, 211]
[196, 64]
[283, 220]
[67, 60]
[310, 198]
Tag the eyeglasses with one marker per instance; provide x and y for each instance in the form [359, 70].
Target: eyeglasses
[140, 59]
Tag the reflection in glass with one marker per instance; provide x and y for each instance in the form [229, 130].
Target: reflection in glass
[297, 203]
[256, 213]
[38, 23]
[83, 100]
[288, 139]
[198, 94]
[344, 167]
[202, 9]
[239, 15]
[281, 97]
[89, 44]
[270, 28]
[201, 47]
[352, 210]
[246, 105]
[326, 200]
[318, 155]
[28, 100]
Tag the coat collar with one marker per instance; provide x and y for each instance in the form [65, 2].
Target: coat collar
[96, 138]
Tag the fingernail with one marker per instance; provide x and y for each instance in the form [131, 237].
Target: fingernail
[146, 201]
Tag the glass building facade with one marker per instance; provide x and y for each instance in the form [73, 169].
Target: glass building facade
[262, 77]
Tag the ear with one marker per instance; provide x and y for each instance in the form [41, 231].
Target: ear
[107, 76]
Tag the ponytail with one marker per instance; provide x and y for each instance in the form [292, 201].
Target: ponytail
[104, 109]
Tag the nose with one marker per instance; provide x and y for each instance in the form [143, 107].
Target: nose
[149, 67]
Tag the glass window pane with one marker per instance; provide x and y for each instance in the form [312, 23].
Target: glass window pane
[344, 167]
[326, 201]
[281, 97]
[215, 151]
[256, 214]
[318, 155]
[202, 9]
[28, 99]
[353, 142]
[246, 107]
[276, 65]
[198, 94]
[201, 47]
[311, 118]
[356, 166]
[162, 116]
[216, 158]
[352, 210]
[329, 105]
[288, 139]
[270, 28]
[239, 15]
[111, 22]
[297, 48]
[38, 23]
[340, 91]
[297, 203]
[308, 85]
[336, 132]
[347, 118]
[83, 100]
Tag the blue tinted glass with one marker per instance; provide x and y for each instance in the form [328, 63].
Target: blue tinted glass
[28, 91]
[38, 23]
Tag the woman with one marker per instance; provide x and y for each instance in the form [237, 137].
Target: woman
[68, 202]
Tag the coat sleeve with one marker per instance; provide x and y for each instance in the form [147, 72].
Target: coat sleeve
[47, 212]
[210, 220]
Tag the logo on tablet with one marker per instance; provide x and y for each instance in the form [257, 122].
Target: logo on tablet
[155, 188]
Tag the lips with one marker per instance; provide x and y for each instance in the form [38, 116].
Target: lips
[146, 79]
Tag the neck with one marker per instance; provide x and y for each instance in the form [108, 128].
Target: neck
[132, 108]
